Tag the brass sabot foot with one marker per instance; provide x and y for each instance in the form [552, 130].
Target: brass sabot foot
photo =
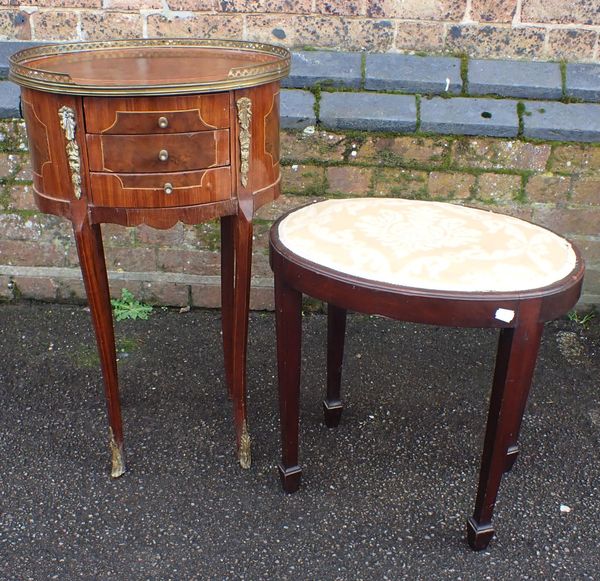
[116, 450]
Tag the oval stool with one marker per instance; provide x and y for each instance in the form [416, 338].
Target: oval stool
[422, 262]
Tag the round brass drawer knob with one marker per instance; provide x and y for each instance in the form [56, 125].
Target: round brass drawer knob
[168, 188]
[163, 155]
[163, 122]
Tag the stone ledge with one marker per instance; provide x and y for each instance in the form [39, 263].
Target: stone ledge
[413, 74]
[528, 80]
[427, 75]
[493, 117]
[332, 69]
[556, 121]
[368, 111]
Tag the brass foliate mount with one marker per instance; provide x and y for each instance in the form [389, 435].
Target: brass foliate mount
[244, 107]
[68, 124]
[118, 464]
[245, 452]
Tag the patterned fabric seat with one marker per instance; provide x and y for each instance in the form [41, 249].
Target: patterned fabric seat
[429, 245]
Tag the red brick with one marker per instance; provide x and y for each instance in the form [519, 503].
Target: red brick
[303, 179]
[498, 187]
[349, 180]
[170, 237]
[510, 209]
[206, 295]
[23, 253]
[403, 183]
[575, 158]
[591, 282]
[39, 288]
[284, 204]
[586, 190]
[566, 221]
[131, 259]
[20, 197]
[15, 166]
[71, 290]
[450, 185]
[548, 188]
[590, 249]
[203, 262]
[489, 153]
[321, 145]
[402, 151]
[262, 298]
[165, 293]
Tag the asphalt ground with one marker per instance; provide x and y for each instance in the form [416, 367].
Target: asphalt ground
[384, 496]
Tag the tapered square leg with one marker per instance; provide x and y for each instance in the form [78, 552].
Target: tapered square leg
[288, 316]
[336, 330]
[515, 363]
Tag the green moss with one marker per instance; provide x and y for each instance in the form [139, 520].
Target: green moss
[209, 234]
[520, 113]
[464, 73]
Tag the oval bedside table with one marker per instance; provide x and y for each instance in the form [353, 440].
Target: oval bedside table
[154, 132]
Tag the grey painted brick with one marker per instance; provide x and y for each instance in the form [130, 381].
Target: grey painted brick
[297, 109]
[463, 116]
[572, 122]
[334, 69]
[531, 80]
[368, 111]
[415, 74]
[9, 48]
[9, 100]
[583, 81]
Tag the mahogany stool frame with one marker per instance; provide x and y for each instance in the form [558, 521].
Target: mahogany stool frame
[515, 362]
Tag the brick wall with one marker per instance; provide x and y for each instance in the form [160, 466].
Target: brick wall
[534, 29]
[552, 184]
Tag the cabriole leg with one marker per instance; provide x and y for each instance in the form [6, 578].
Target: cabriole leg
[227, 281]
[88, 238]
[241, 305]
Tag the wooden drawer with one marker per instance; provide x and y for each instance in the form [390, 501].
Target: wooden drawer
[122, 115]
[158, 153]
[128, 190]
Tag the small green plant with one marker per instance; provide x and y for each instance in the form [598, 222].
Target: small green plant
[582, 320]
[127, 307]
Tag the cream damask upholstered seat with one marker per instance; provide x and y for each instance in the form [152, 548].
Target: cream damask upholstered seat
[429, 245]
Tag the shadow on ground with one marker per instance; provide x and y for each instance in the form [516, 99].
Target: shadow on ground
[385, 496]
